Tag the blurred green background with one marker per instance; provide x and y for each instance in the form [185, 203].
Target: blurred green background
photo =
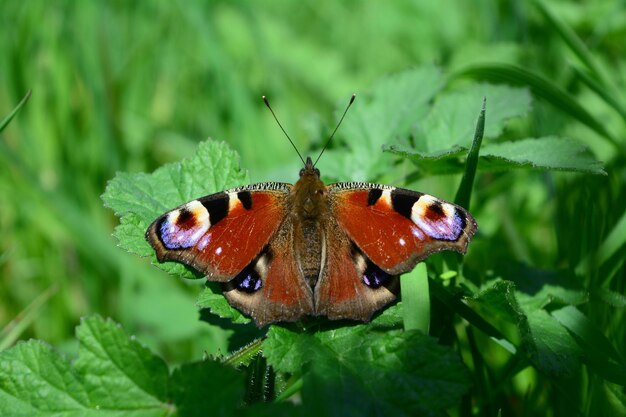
[128, 86]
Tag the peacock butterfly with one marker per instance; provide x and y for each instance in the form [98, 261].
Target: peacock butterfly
[282, 251]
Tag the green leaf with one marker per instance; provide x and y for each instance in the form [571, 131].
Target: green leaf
[390, 317]
[454, 303]
[552, 349]
[546, 343]
[34, 380]
[113, 375]
[452, 120]
[547, 153]
[551, 153]
[540, 87]
[119, 372]
[207, 388]
[391, 107]
[369, 373]
[383, 114]
[217, 304]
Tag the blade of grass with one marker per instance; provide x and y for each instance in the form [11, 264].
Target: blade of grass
[601, 91]
[464, 193]
[540, 87]
[480, 370]
[12, 331]
[596, 347]
[573, 41]
[415, 299]
[17, 108]
[613, 242]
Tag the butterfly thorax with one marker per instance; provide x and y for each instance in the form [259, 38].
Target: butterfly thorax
[310, 212]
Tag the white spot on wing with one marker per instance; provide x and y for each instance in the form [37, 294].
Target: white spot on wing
[385, 197]
[417, 233]
[233, 201]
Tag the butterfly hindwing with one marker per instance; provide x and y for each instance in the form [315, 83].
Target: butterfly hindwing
[272, 288]
[221, 234]
[395, 228]
[351, 286]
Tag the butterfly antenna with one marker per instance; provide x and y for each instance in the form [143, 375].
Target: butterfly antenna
[267, 103]
[336, 127]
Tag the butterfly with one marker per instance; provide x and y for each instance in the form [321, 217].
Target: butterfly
[284, 251]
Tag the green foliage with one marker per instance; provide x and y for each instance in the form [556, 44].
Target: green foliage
[112, 373]
[530, 322]
[368, 373]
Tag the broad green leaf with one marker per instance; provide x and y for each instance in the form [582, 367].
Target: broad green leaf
[36, 381]
[497, 304]
[118, 371]
[547, 153]
[113, 376]
[207, 388]
[455, 303]
[540, 87]
[383, 114]
[452, 120]
[369, 373]
[538, 288]
[389, 317]
[217, 304]
[552, 349]
[553, 153]
[546, 343]
[390, 108]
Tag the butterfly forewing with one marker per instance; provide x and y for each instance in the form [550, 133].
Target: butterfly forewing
[220, 234]
[396, 228]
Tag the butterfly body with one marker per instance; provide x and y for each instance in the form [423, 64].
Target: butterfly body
[284, 251]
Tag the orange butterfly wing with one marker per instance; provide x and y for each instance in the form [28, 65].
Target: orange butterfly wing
[220, 234]
[396, 228]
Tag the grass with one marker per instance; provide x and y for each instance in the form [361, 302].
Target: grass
[120, 86]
